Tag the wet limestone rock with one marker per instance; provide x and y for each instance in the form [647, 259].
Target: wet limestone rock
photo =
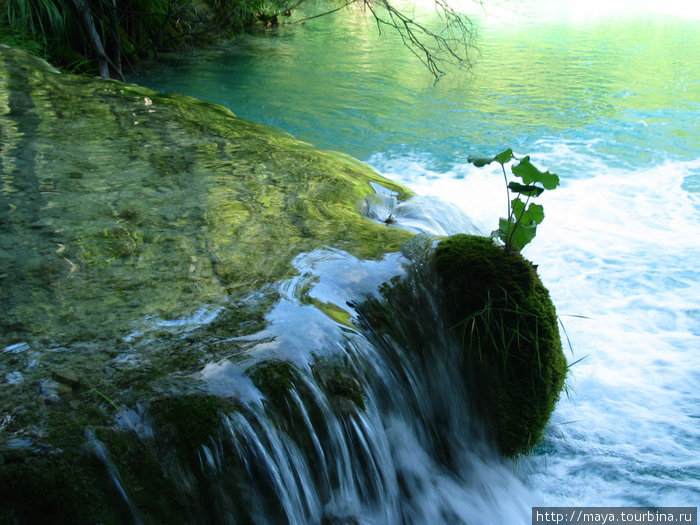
[509, 333]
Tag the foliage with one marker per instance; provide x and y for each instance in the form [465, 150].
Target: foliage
[32, 25]
[520, 225]
[97, 35]
[22, 40]
[88, 35]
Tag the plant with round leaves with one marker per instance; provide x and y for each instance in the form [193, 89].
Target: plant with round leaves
[520, 225]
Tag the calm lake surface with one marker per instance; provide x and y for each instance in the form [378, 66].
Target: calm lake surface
[605, 94]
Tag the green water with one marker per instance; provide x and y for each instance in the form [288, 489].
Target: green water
[337, 84]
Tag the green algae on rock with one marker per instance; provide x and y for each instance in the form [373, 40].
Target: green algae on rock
[122, 209]
[510, 336]
[117, 198]
[126, 217]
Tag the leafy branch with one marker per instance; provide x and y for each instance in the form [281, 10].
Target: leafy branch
[520, 225]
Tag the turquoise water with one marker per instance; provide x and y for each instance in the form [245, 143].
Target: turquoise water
[607, 95]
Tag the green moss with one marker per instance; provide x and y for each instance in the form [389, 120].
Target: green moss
[66, 487]
[139, 464]
[188, 421]
[510, 336]
[205, 205]
[340, 385]
[75, 485]
[274, 379]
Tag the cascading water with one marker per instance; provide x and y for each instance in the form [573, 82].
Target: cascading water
[375, 423]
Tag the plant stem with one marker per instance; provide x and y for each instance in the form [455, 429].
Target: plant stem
[505, 178]
[516, 223]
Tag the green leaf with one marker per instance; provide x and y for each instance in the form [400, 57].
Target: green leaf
[521, 237]
[530, 190]
[504, 156]
[501, 158]
[519, 231]
[517, 207]
[529, 173]
[532, 216]
[500, 233]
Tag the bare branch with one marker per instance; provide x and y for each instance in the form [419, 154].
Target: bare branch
[350, 2]
[451, 43]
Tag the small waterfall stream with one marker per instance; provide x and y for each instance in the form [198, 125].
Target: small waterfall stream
[368, 419]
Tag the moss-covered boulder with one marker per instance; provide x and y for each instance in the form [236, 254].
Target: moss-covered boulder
[38, 487]
[275, 379]
[510, 336]
[340, 385]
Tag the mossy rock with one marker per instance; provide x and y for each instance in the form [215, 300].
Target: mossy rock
[510, 336]
[340, 385]
[75, 485]
[189, 421]
[166, 212]
[60, 488]
[207, 207]
[274, 379]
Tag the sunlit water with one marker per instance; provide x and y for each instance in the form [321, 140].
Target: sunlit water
[609, 100]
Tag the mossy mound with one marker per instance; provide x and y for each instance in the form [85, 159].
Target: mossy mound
[510, 336]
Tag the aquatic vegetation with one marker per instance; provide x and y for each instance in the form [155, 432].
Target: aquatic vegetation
[149, 205]
[126, 226]
[340, 385]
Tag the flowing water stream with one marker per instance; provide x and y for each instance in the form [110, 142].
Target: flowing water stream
[607, 95]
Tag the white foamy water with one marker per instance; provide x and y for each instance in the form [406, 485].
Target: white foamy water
[618, 250]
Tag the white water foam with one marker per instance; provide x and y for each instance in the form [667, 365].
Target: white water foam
[618, 250]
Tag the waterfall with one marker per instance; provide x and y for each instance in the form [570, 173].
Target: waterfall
[364, 420]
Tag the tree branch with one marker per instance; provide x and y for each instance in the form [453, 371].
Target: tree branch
[94, 37]
[452, 43]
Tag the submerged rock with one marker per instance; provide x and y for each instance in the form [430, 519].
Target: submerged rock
[509, 333]
[120, 203]
[130, 223]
